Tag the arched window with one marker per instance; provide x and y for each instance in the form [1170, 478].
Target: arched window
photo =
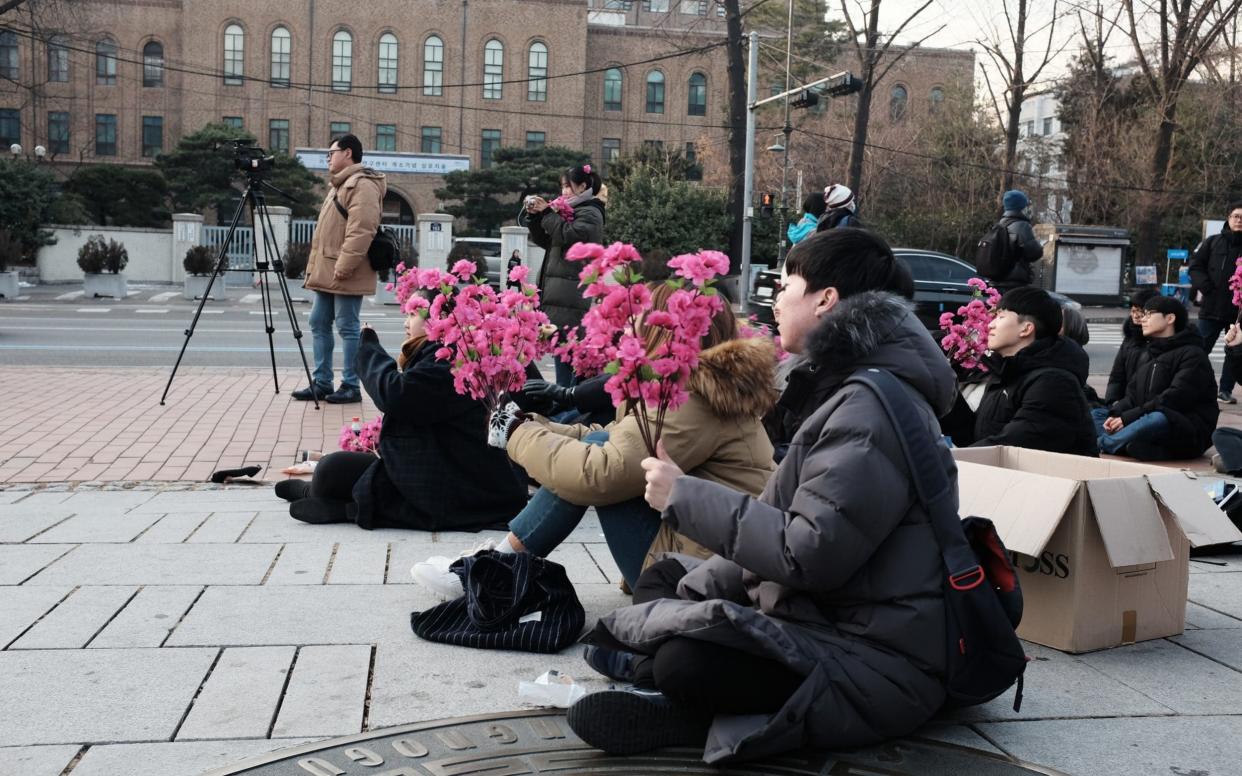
[537, 72]
[282, 56]
[936, 98]
[342, 61]
[57, 59]
[8, 55]
[234, 54]
[105, 62]
[612, 88]
[153, 64]
[655, 92]
[434, 67]
[388, 63]
[898, 101]
[493, 70]
[697, 104]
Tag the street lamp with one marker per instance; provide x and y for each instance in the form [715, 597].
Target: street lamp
[777, 147]
[16, 151]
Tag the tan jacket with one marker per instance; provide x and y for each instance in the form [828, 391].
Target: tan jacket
[717, 435]
[342, 245]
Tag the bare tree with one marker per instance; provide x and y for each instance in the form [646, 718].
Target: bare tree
[1008, 49]
[1184, 32]
[874, 63]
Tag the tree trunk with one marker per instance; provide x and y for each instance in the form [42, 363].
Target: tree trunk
[858, 148]
[1152, 214]
[737, 130]
[1017, 91]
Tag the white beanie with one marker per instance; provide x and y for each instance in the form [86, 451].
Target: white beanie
[838, 196]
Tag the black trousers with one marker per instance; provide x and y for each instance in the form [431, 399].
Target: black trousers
[710, 677]
[332, 484]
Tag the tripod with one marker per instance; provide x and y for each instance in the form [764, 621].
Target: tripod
[262, 220]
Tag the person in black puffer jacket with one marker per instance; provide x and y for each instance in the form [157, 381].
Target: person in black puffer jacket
[1023, 245]
[1211, 266]
[1035, 400]
[1133, 348]
[1169, 409]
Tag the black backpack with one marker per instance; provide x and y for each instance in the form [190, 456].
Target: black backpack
[981, 595]
[385, 251]
[994, 256]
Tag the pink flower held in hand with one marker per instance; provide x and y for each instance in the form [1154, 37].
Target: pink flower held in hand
[519, 274]
[464, 269]
[965, 337]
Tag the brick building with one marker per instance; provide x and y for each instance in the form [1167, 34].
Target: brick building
[121, 81]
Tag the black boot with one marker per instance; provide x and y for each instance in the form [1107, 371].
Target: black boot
[635, 720]
[316, 391]
[319, 511]
[293, 490]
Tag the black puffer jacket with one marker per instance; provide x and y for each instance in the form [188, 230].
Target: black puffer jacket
[1174, 377]
[1211, 266]
[436, 471]
[1132, 351]
[1036, 401]
[834, 571]
[1026, 249]
[559, 294]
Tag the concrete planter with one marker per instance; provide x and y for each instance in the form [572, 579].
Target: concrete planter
[10, 284]
[383, 295]
[105, 284]
[196, 286]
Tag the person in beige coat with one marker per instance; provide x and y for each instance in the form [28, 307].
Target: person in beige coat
[338, 270]
[717, 434]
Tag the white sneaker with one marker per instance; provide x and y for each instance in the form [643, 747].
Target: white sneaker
[434, 575]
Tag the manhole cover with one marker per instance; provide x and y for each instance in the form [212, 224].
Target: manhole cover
[539, 742]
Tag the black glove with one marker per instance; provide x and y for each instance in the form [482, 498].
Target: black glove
[557, 395]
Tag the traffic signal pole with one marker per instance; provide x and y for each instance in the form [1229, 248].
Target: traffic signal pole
[748, 185]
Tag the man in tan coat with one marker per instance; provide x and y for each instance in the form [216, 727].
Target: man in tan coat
[338, 270]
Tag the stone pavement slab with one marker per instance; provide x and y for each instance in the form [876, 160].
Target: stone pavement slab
[19, 524]
[272, 526]
[326, 693]
[84, 696]
[222, 527]
[36, 760]
[85, 528]
[20, 561]
[1172, 746]
[160, 564]
[240, 697]
[1202, 617]
[1223, 646]
[173, 529]
[188, 758]
[1218, 591]
[1172, 676]
[148, 618]
[359, 564]
[21, 607]
[301, 564]
[73, 623]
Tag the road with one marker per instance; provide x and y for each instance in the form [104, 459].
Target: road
[55, 325]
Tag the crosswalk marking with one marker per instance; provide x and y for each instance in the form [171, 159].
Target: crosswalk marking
[251, 298]
[163, 296]
[70, 295]
[94, 309]
[156, 311]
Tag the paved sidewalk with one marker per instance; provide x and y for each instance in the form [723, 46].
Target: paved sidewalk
[165, 631]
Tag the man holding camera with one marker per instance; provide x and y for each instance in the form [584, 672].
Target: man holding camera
[338, 270]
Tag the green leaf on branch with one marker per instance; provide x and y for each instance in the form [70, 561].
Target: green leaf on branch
[613, 368]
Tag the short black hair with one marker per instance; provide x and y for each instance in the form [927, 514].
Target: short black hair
[1036, 306]
[814, 204]
[1167, 305]
[1140, 297]
[352, 143]
[851, 261]
[1235, 205]
[1075, 325]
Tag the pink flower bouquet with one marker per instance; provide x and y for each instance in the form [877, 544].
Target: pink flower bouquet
[649, 369]
[1235, 282]
[562, 208]
[365, 441]
[966, 331]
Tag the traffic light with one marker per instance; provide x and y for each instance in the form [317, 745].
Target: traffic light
[805, 99]
[766, 202]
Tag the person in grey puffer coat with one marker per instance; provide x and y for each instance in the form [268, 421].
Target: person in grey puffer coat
[833, 575]
[1025, 248]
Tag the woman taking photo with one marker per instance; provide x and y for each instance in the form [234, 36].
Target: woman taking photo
[433, 452]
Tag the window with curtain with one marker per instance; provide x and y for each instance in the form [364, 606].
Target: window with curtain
[342, 61]
[898, 102]
[493, 70]
[105, 134]
[152, 135]
[697, 96]
[536, 140]
[655, 92]
[433, 67]
[385, 137]
[537, 73]
[489, 147]
[58, 132]
[105, 63]
[282, 57]
[612, 89]
[57, 59]
[10, 127]
[234, 54]
[338, 128]
[612, 149]
[936, 98]
[431, 140]
[278, 135]
[9, 57]
[387, 63]
[233, 122]
[153, 64]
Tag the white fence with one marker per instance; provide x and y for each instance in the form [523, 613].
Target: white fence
[301, 230]
[241, 247]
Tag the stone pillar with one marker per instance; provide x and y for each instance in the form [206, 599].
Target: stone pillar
[280, 218]
[435, 239]
[514, 238]
[187, 232]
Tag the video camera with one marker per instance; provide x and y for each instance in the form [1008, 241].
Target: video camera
[250, 158]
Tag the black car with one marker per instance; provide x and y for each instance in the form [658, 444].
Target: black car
[939, 286]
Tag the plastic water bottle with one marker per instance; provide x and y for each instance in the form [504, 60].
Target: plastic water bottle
[356, 426]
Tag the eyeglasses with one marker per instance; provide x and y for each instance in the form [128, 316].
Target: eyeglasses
[334, 151]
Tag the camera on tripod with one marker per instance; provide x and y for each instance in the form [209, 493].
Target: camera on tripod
[250, 158]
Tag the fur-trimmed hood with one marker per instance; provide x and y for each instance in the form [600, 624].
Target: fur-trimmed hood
[879, 329]
[737, 378]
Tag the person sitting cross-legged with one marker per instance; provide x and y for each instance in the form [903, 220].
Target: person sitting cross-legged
[1035, 399]
[1169, 408]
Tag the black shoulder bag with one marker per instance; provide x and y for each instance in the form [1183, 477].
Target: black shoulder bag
[385, 251]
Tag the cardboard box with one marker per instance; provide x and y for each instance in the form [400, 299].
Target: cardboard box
[1103, 546]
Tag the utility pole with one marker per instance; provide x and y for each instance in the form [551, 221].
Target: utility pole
[748, 193]
[788, 131]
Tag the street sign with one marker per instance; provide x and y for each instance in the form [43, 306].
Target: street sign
[1178, 253]
[1145, 275]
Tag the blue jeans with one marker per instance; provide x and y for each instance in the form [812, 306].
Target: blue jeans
[344, 310]
[629, 527]
[564, 373]
[1152, 427]
[1210, 330]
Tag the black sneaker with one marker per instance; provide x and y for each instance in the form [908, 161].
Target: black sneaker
[612, 663]
[316, 391]
[635, 720]
[348, 394]
[1225, 397]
